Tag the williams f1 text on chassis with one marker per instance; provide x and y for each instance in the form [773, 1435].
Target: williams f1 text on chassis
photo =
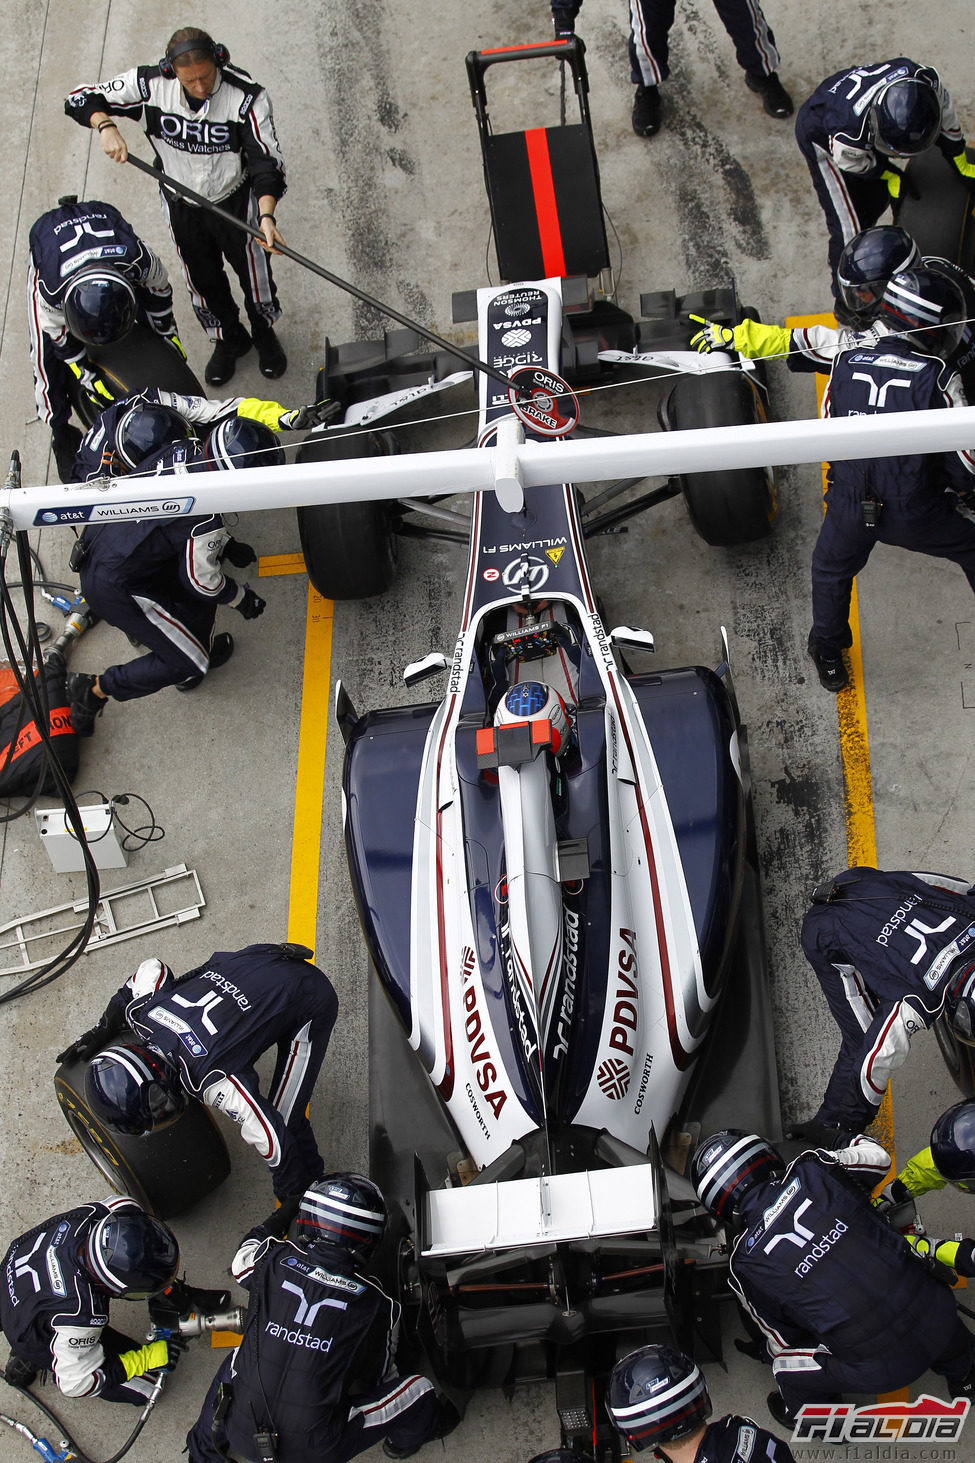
[554, 870]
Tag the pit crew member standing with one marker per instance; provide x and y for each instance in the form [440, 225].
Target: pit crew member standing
[650, 22]
[896, 500]
[315, 1370]
[89, 277]
[891, 950]
[202, 1034]
[212, 129]
[843, 1304]
[58, 1282]
[854, 127]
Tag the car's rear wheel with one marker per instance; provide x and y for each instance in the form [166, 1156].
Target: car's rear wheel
[349, 548]
[959, 1058]
[167, 1171]
[736, 506]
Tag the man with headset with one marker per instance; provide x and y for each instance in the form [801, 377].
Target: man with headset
[89, 279]
[212, 128]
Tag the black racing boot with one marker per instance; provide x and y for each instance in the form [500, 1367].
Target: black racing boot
[84, 704]
[646, 111]
[830, 664]
[226, 353]
[271, 357]
[221, 649]
[447, 1419]
[775, 99]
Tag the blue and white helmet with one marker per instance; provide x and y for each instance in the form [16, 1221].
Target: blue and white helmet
[656, 1395]
[730, 1163]
[343, 1209]
[130, 1254]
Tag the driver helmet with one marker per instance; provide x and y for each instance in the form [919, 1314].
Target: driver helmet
[656, 1395]
[143, 428]
[867, 263]
[953, 1146]
[130, 1254]
[99, 306]
[905, 118]
[343, 1209]
[927, 308]
[960, 1004]
[133, 1090]
[728, 1165]
[241, 442]
[534, 701]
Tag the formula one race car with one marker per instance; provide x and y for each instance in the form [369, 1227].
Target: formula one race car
[555, 873]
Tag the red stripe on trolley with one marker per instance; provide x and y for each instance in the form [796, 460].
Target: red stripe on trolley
[543, 187]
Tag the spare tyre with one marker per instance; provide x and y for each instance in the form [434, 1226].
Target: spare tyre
[139, 360]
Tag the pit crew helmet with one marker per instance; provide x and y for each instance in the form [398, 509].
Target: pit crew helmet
[960, 1004]
[953, 1146]
[905, 117]
[656, 1395]
[241, 442]
[343, 1209]
[867, 263]
[728, 1165]
[130, 1254]
[99, 306]
[133, 1090]
[144, 428]
[927, 307]
[534, 701]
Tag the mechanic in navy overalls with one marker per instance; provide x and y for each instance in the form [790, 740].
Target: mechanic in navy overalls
[842, 1303]
[58, 1282]
[857, 124]
[203, 1033]
[315, 1372]
[890, 951]
[87, 271]
[898, 500]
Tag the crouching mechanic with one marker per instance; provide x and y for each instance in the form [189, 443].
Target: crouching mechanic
[843, 1304]
[59, 1280]
[200, 1035]
[948, 1159]
[891, 951]
[657, 1399]
[90, 278]
[314, 1378]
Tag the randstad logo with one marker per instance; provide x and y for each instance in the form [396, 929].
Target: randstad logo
[822, 1247]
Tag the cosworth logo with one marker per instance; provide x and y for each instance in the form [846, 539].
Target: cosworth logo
[928, 1420]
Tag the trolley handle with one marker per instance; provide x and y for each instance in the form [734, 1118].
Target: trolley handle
[570, 49]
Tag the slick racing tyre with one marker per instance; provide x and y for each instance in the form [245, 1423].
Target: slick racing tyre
[349, 548]
[934, 208]
[736, 506]
[140, 359]
[959, 1057]
[167, 1171]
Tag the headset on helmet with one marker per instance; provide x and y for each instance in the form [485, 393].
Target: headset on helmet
[131, 1254]
[927, 307]
[144, 428]
[242, 442]
[656, 1395]
[343, 1209]
[99, 306]
[218, 53]
[133, 1090]
[953, 1146]
[867, 263]
[905, 118]
[729, 1164]
[960, 1004]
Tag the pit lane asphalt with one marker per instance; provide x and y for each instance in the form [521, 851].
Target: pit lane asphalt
[375, 120]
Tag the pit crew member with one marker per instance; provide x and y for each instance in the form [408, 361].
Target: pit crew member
[658, 1400]
[843, 1304]
[315, 1371]
[89, 278]
[212, 129]
[200, 1034]
[854, 128]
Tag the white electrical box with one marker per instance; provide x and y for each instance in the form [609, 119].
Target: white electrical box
[64, 849]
